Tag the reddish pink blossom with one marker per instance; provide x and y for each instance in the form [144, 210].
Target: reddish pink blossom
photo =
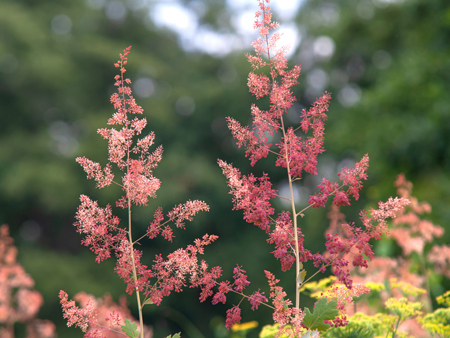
[224, 288]
[138, 186]
[281, 98]
[98, 225]
[356, 238]
[256, 298]
[256, 61]
[350, 177]
[440, 257]
[206, 280]
[311, 118]
[98, 317]
[256, 149]
[186, 211]
[102, 232]
[155, 227]
[259, 85]
[93, 169]
[302, 155]
[80, 317]
[284, 313]
[240, 279]
[124, 267]
[283, 238]
[344, 296]
[250, 195]
[233, 317]
[180, 267]
[264, 122]
[19, 303]
[385, 210]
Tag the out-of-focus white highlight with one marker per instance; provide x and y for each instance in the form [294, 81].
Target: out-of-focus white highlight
[193, 37]
[185, 105]
[61, 24]
[176, 17]
[317, 79]
[115, 10]
[144, 87]
[324, 47]
[349, 95]
[285, 191]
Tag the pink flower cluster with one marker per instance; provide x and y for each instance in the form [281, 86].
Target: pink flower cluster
[102, 230]
[179, 214]
[138, 181]
[356, 239]
[238, 286]
[18, 301]
[251, 194]
[182, 268]
[297, 155]
[411, 233]
[302, 155]
[284, 312]
[98, 317]
[98, 225]
[349, 177]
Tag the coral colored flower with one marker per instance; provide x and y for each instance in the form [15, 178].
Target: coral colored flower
[103, 235]
[250, 195]
[233, 317]
[19, 303]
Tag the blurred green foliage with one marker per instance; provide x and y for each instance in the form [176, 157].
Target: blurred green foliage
[389, 73]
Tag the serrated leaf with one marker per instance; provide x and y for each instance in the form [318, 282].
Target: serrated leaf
[130, 329]
[323, 310]
[176, 335]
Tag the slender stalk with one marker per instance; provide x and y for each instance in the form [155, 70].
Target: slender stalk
[294, 216]
[396, 327]
[286, 199]
[141, 321]
[130, 237]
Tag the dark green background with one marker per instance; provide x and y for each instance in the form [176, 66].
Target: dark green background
[54, 94]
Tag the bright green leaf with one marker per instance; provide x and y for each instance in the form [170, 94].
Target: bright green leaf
[176, 335]
[130, 329]
[323, 310]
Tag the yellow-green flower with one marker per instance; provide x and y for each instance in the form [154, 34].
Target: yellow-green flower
[403, 307]
[244, 326]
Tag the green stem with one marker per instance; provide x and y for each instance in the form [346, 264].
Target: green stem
[130, 238]
[396, 326]
[294, 216]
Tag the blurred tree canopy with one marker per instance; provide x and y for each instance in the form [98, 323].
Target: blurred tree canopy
[387, 64]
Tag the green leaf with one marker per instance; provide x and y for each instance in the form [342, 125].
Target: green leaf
[323, 310]
[176, 335]
[130, 329]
